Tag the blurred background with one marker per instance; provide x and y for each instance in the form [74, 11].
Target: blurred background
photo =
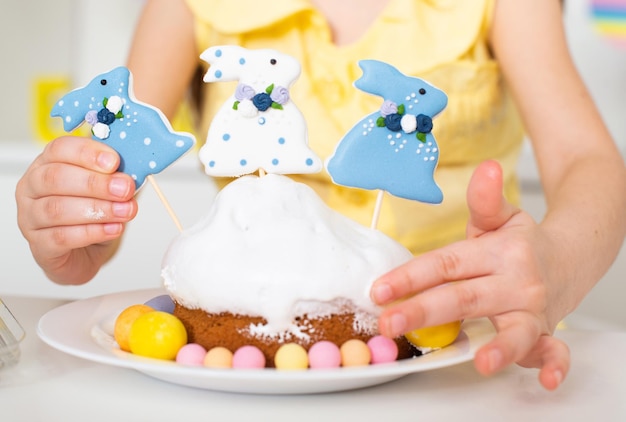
[48, 48]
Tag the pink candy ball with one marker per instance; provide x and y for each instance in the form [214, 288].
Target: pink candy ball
[191, 354]
[248, 357]
[383, 349]
[324, 354]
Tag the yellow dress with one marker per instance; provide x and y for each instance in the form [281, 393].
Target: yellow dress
[443, 42]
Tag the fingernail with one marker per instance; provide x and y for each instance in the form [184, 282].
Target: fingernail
[119, 187]
[106, 161]
[121, 209]
[112, 228]
[397, 324]
[558, 377]
[381, 293]
[495, 359]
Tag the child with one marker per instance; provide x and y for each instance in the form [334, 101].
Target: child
[486, 55]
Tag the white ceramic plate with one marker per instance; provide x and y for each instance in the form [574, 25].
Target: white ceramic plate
[85, 329]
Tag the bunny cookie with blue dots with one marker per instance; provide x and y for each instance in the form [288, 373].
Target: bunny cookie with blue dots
[140, 133]
[392, 149]
[258, 128]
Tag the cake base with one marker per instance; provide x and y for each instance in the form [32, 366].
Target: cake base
[233, 331]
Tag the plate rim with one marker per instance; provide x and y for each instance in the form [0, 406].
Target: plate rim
[84, 345]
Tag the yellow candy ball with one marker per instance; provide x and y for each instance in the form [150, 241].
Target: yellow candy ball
[124, 321]
[355, 353]
[291, 356]
[157, 335]
[218, 357]
[435, 337]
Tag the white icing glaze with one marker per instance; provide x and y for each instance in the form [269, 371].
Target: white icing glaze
[270, 247]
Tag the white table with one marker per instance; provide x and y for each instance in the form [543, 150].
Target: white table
[47, 385]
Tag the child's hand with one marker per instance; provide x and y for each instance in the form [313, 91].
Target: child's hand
[503, 270]
[72, 206]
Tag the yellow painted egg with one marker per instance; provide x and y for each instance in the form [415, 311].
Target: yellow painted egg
[157, 335]
[435, 337]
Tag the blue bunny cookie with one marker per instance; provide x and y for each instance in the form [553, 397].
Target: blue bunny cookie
[392, 149]
[140, 133]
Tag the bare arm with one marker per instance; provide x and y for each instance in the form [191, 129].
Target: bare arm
[581, 169]
[163, 54]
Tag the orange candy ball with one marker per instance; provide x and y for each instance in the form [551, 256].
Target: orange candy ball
[124, 321]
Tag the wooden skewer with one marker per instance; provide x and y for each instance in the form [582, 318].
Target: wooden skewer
[379, 204]
[163, 199]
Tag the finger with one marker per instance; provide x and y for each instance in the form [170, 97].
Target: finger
[82, 152]
[67, 211]
[487, 206]
[70, 180]
[55, 242]
[473, 298]
[517, 333]
[458, 261]
[552, 356]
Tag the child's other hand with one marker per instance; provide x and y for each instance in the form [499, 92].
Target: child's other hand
[72, 206]
[505, 270]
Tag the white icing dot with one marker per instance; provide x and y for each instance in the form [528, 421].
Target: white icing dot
[418, 151]
[61, 103]
[425, 158]
[432, 158]
[364, 133]
[413, 95]
[180, 143]
[401, 146]
[398, 135]
[122, 135]
[152, 164]
[430, 144]
[76, 103]
[404, 141]
[134, 176]
[407, 98]
[434, 149]
[68, 118]
[389, 136]
[392, 143]
[147, 141]
[364, 125]
[427, 149]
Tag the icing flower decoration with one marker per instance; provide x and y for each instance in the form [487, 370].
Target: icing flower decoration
[393, 117]
[100, 120]
[249, 102]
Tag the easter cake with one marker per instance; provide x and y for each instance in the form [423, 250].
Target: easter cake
[270, 264]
